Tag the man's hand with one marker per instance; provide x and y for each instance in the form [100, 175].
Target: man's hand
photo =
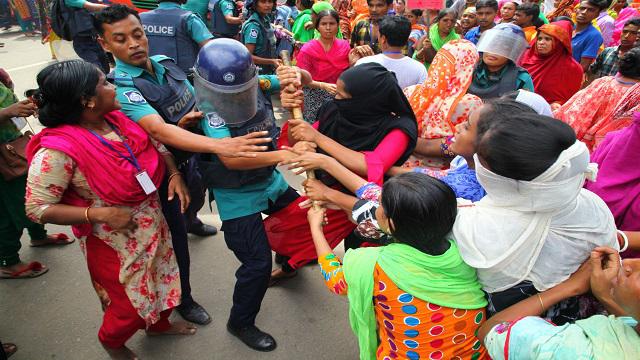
[242, 146]
[190, 119]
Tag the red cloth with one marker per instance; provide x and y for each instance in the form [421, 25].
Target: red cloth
[385, 155]
[120, 320]
[557, 75]
[110, 176]
[289, 234]
[324, 66]
[378, 161]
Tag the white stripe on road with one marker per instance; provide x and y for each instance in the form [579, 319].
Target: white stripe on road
[29, 66]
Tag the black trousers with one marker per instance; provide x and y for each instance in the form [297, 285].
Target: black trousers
[247, 238]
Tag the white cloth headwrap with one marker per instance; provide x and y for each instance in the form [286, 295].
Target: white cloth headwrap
[539, 230]
[534, 101]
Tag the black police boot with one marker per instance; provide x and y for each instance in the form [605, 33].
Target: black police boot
[203, 230]
[253, 337]
[193, 312]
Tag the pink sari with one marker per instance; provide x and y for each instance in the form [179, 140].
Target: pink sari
[626, 14]
[324, 66]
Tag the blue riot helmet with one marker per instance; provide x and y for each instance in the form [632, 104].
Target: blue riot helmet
[226, 82]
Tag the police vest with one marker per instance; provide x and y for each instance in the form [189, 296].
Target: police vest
[216, 175]
[268, 50]
[220, 26]
[508, 83]
[166, 30]
[172, 101]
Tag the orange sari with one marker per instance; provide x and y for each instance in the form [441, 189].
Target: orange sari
[361, 11]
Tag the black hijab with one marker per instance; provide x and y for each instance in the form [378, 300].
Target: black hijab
[376, 107]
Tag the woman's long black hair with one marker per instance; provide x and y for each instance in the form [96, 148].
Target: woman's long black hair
[64, 87]
[423, 210]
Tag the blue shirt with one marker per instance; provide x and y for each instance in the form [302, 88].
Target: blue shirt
[200, 7]
[133, 103]
[196, 28]
[586, 43]
[473, 34]
[249, 199]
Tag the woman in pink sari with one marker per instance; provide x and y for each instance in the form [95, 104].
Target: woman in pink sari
[325, 59]
[97, 170]
[618, 181]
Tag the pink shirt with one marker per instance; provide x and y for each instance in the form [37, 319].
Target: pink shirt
[324, 66]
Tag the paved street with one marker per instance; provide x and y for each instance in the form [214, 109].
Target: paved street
[57, 316]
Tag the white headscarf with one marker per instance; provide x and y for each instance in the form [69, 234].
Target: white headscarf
[540, 230]
[534, 101]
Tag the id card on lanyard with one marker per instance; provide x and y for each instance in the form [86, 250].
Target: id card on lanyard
[142, 176]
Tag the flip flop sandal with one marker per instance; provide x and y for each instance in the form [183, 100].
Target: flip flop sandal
[33, 270]
[9, 349]
[55, 240]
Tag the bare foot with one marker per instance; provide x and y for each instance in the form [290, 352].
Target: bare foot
[122, 353]
[177, 328]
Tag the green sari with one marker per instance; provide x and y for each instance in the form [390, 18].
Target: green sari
[437, 41]
[444, 280]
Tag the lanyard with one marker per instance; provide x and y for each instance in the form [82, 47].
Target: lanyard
[131, 158]
[391, 52]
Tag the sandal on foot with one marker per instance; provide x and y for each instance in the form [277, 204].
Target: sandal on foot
[53, 240]
[9, 349]
[32, 270]
[279, 275]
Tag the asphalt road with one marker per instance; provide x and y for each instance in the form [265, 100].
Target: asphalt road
[57, 315]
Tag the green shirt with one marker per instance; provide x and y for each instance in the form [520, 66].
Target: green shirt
[196, 27]
[523, 80]
[227, 6]
[254, 198]
[199, 7]
[133, 103]
[8, 130]
[252, 32]
[299, 32]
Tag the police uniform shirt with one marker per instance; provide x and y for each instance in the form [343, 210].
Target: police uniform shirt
[253, 198]
[253, 34]
[227, 7]
[196, 28]
[133, 103]
[199, 7]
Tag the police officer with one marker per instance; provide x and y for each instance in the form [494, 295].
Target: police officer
[155, 93]
[258, 35]
[226, 19]
[224, 77]
[83, 35]
[175, 32]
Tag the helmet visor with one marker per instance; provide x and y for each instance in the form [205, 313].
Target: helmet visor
[503, 42]
[235, 104]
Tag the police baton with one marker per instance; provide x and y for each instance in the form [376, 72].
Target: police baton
[297, 115]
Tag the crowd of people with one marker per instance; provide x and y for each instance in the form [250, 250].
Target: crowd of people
[476, 161]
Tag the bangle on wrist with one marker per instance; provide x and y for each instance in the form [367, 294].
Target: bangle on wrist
[177, 173]
[86, 215]
[625, 240]
[541, 303]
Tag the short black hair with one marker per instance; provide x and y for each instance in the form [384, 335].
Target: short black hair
[112, 14]
[396, 29]
[63, 87]
[634, 22]
[389, 2]
[533, 10]
[600, 4]
[307, 4]
[422, 209]
[629, 64]
[291, 3]
[487, 4]
[324, 13]
[417, 12]
[517, 143]
[444, 12]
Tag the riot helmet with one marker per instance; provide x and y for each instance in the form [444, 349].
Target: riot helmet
[226, 82]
